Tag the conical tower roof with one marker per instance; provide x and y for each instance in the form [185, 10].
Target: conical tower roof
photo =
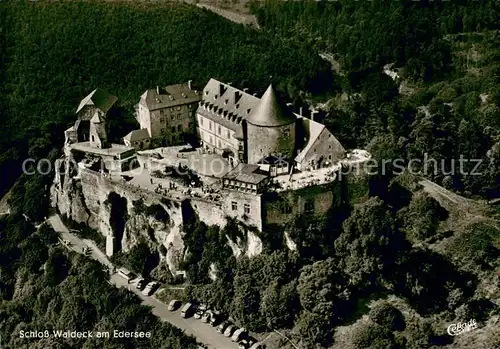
[270, 112]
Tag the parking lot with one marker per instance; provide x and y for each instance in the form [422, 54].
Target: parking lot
[203, 332]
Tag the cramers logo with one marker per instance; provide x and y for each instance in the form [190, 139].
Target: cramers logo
[461, 327]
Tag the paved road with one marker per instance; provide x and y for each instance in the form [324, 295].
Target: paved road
[203, 332]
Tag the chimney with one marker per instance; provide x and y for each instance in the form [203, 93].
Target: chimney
[229, 83]
[245, 90]
[300, 111]
[157, 90]
[289, 105]
[189, 84]
[314, 115]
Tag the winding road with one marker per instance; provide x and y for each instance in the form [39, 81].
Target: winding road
[204, 333]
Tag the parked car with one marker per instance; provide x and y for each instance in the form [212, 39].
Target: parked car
[243, 344]
[239, 334]
[174, 305]
[229, 330]
[257, 346]
[215, 318]
[222, 327]
[206, 317]
[200, 311]
[125, 273]
[150, 288]
[156, 156]
[141, 283]
[187, 310]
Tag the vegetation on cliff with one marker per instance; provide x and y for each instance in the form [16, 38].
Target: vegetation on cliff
[395, 243]
[45, 287]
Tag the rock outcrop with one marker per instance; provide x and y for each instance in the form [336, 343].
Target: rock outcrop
[84, 196]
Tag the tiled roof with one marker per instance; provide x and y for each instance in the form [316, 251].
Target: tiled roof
[100, 99]
[312, 131]
[270, 112]
[246, 173]
[137, 135]
[170, 96]
[226, 104]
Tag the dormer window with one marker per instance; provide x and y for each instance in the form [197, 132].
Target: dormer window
[206, 93]
[225, 102]
[237, 106]
[248, 111]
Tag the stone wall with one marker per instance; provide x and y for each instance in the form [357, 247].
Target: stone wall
[254, 202]
[283, 207]
[209, 212]
[265, 141]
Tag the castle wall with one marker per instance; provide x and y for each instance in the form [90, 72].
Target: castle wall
[283, 207]
[243, 201]
[209, 212]
[265, 141]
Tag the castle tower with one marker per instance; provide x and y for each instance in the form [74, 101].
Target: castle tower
[270, 129]
[97, 134]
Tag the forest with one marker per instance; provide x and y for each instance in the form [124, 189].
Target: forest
[45, 287]
[388, 268]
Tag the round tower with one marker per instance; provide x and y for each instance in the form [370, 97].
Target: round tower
[270, 129]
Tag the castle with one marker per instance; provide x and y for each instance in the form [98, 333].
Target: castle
[279, 164]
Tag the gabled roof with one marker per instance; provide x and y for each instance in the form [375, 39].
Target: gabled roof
[312, 131]
[100, 99]
[246, 173]
[170, 96]
[137, 135]
[270, 112]
[225, 98]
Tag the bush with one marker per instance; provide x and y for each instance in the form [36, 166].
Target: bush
[387, 316]
[370, 336]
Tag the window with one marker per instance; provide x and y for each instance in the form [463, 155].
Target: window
[228, 134]
[234, 205]
[173, 129]
[309, 206]
[179, 116]
[201, 120]
[286, 133]
[247, 209]
[211, 140]
[178, 108]
[162, 120]
[210, 125]
[190, 106]
[218, 130]
[285, 208]
[179, 128]
[161, 112]
[218, 143]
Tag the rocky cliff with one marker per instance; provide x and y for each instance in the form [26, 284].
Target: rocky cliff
[127, 215]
